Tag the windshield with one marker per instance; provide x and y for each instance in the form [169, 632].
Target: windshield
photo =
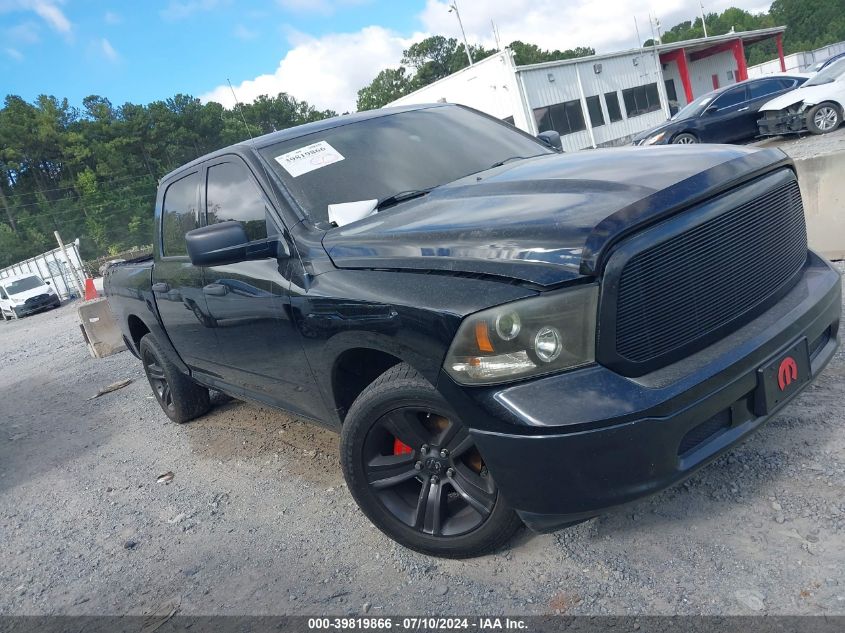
[22, 285]
[403, 152]
[829, 74]
[695, 107]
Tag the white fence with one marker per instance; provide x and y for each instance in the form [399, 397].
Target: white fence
[66, 274]
[796, 62]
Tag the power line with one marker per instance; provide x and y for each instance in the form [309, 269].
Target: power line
[31, 193]
[78, 198]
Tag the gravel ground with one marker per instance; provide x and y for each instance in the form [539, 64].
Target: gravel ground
[807, 145]
[257, 520]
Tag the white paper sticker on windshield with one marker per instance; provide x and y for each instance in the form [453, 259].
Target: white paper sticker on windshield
[301, 161]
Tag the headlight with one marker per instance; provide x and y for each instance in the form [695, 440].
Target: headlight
[539, 335]
[651, 140]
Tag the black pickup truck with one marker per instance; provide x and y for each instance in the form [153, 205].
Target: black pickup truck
[501, 333]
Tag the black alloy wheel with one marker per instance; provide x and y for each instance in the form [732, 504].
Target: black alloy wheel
[427, 473]
[415, 470]
[158, 381]
[179, 396]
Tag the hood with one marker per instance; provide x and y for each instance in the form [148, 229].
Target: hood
[810, 94]
[34, 292]
[545, 220]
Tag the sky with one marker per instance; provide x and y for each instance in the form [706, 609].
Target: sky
[321, 51]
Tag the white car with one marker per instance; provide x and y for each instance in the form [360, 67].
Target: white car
[816, 106]
[26, 294]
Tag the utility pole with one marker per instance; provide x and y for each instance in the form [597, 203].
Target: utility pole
[454, 7]
[703, 21]
[496, 36]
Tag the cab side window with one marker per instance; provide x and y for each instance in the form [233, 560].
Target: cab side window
[3, 294]
[731, 98]
[233, 195]
[179, 215]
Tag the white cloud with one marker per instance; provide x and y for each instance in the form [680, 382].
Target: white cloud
[14, 54]
[112, 18]
[244, 33]
[179, 9]
[108, 51]
[327, 72]
[323, 7]
[553, 24]
[52, 15]
[24, 33]
[45, 9]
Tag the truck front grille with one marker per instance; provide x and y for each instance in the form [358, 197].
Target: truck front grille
[685, 287]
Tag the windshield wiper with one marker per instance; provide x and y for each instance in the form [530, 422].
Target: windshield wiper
[402, 196]
[507, 160]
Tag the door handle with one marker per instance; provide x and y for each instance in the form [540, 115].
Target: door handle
[743, 109]
[161, 287]
[215, 290]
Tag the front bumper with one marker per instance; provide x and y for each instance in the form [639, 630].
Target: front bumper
[31, 308]
[566, 447]
[781, 122]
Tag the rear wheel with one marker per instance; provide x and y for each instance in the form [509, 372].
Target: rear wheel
[416, 473]
[823, 118]
[180, 398]
[685, 138]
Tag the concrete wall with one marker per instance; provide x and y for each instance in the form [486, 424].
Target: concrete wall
[489, 85]
[824, 200]
[797, 62]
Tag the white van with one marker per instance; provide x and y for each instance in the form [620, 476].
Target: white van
[25, 294]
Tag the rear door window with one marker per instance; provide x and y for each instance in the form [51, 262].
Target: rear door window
[766, 87]
[179, 215]
[732, 97]
[232, 194]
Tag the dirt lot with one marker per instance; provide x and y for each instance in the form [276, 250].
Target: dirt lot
[257, 519]
[807, 145]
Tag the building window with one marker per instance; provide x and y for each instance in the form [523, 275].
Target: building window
[611, 99]
[671, 93]
[594, 108]
[641, 100]
[564, 118]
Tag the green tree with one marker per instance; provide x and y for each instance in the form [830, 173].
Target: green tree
[389, 85]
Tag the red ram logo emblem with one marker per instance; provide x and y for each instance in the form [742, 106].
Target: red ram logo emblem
[787, 372]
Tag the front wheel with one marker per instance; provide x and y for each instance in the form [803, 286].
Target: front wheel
[823, 118]
[685, 138]
[179, 396]
[416, 473]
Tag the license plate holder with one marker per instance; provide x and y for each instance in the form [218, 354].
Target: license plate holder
[782, 377]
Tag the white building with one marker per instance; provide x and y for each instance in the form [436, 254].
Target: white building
[599, 100]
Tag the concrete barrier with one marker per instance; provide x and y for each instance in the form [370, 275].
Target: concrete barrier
[99, 328]
[822, 180]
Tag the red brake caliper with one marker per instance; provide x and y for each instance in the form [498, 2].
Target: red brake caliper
[400, 448]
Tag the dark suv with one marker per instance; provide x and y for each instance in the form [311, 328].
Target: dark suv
[501, 333]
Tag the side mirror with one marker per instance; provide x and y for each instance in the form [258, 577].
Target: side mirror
[712, 109]
[226, 243]
[47, 282]
[552, 139]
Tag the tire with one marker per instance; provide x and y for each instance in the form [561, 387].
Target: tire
[824, 118]
[391, 456]
[685, 138]
[179, 396]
